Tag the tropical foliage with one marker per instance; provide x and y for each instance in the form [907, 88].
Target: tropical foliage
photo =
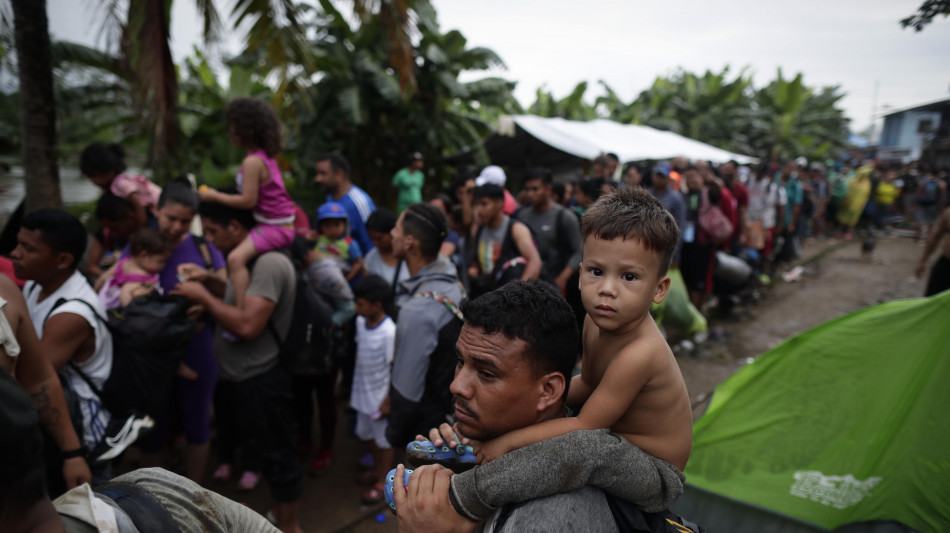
[784, 119]
[926, 13]
[374, 80]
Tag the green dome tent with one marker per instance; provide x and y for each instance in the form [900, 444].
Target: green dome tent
[843, 426]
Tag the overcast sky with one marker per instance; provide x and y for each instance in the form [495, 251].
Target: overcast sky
[627, 43]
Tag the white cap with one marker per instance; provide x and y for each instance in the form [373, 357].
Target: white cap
[801, 161]
[491, 174]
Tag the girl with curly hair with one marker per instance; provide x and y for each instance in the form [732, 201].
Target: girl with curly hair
[253, 126]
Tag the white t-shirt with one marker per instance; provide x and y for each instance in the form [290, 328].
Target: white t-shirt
[97, 368]
[764, 196]
[375, 348]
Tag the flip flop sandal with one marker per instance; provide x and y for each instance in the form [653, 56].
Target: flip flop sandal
[388, 488]
[423, 452]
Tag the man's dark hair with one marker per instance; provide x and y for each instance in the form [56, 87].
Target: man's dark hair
[427, 224]
[179, 192]
[536, 313]
[489, 190]
[337, 162]
[112, 207]
[222, 215]
[382, 220]
[373, 289]
[633, 213]
[62, 232]
[540, 173]
[558, 189]
[99, 158]
[611, 155]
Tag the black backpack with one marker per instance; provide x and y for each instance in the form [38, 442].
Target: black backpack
[307, 349]
[149, 338]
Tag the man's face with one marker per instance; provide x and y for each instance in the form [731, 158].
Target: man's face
[223, 238]
[486, 209]
[611, 167]
[632, 177]
[537, 193]
[398, 236]
[33, 258]
[660, 181]
[694, 180]
[496, 388]
[728, 171]
[326, 177]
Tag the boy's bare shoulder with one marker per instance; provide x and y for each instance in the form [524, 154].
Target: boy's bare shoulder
[648, 347]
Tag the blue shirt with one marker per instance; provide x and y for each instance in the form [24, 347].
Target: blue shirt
[358, 207]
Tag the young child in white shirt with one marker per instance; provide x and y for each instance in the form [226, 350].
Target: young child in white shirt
[375, 347]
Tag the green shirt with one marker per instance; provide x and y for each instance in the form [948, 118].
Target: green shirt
[409, 185]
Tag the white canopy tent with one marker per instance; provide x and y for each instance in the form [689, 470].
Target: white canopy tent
[630, 142]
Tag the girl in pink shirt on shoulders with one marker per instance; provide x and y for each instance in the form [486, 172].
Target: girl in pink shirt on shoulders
[253, 126]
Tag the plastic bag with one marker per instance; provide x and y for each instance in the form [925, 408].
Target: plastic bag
[676, 311]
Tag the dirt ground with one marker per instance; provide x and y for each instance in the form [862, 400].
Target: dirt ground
[837, 279]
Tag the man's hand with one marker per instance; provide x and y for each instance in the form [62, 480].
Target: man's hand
[445, 434]
[192, 272]
[192, 290]
[424, 505]
[76, 472]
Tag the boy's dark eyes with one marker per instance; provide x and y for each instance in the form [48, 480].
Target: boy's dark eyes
[629, 277]
[595, 271]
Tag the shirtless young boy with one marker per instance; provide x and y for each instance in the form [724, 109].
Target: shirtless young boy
[629, 381]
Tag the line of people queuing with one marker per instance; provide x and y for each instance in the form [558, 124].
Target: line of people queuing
[395, 282]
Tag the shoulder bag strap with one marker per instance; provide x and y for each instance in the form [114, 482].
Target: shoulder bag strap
[82, 375]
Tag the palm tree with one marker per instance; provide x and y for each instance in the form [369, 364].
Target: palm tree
[37, 109]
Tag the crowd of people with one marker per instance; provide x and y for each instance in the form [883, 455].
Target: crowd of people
[470, 305]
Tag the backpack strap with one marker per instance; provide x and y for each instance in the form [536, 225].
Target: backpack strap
[82, 375]
[444, 300]
[144, 509]
[204, 250]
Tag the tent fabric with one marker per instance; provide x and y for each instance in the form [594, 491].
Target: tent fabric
[843, 424]
[630, 142]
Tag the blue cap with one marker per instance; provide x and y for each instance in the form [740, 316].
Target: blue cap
[331, 210]
[662, 168]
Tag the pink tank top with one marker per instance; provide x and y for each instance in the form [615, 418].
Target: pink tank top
[109, 294]
[274, 205]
